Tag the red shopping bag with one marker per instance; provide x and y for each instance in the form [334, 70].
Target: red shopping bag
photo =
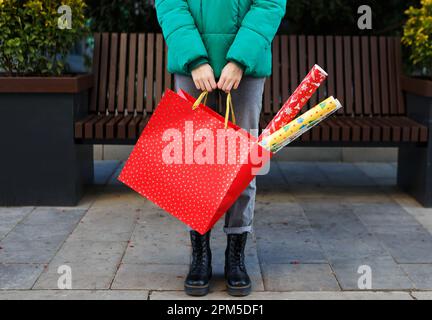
[192, 162]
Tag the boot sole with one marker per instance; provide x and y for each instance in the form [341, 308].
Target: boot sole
[239, 291]
[196, 291]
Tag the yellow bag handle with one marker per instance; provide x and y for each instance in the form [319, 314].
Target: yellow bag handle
[198, 101]
[229, 106]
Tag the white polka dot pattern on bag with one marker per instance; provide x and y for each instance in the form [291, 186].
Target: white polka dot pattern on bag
[191, 192]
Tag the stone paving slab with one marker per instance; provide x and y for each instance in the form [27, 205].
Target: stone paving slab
[93, 264]
[340, 233]
[74, 295]
[311, 295]
[10, 217]
[284, 235]
[406, 244]
[422, 295]
[37, 238]
[386, 273]
[150, 276]
[112, 217]
[19, 276]
[380, 214]
[168, 244]
[420, 275]
[299, 277]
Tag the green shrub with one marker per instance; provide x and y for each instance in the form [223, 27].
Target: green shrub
[31, 41]
[418, 36]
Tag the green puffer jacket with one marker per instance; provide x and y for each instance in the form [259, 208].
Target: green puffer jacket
[218, 31]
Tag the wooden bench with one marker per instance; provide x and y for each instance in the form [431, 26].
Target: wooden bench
[365, 74]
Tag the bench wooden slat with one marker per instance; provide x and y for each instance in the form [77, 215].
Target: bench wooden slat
[110, 128]
[159, 66]
[89, 132]
[340, 93]
[131, 73]
[395, 129]
[100, 126]
[404, 130]
[122, 73]
[356, 132]
[345, 130]
[366, 71]
[383, 76]
[140, 73]
[311, 61]
[365, 129]
[335, 129]
[113, 73]
[103, 72]
[316, 133]
[132, 127]
[122, 126]
[321, 62]
[142, 124]
[285, 68]
[275, 79]
[357, 76]
[376, 129]
[325, 131]
[375, 81]
[96, 61]
[293, 62]
[150, 72]
[168, 76]
[330, 66]
[302, 67]
[385, 129]
[398, 63]
[392, 76]
[79, 126]
[347, 62]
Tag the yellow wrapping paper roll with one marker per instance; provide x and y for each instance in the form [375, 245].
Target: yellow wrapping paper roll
[300, 125]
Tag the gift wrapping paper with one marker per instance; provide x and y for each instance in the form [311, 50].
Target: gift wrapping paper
[297, 100]
[300, 125]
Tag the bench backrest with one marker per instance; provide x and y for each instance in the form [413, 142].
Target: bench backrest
[364, 72]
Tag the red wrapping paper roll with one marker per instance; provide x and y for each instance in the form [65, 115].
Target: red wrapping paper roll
[297, 101]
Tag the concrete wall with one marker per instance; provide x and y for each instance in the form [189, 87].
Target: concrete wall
[110, 152]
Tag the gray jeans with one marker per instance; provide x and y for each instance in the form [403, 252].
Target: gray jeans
[247, 101]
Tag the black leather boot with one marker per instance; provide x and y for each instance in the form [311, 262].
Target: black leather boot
[200, 272]
[237, 279]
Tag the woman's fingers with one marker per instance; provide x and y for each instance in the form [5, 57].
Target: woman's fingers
[207, 85]
[228, 85]
[236, 85]
[213, 83]
[221, 82]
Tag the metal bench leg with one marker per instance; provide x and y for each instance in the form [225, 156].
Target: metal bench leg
[414, 173]
[415, 162]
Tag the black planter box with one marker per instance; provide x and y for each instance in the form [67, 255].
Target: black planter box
[40, 162]
[415, 162]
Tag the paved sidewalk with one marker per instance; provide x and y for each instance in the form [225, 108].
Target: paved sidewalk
[316, 224]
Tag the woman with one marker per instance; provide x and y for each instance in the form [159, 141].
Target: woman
[222, 45]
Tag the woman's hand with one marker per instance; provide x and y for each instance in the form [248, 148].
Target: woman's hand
[230, 77]
[203, 77]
